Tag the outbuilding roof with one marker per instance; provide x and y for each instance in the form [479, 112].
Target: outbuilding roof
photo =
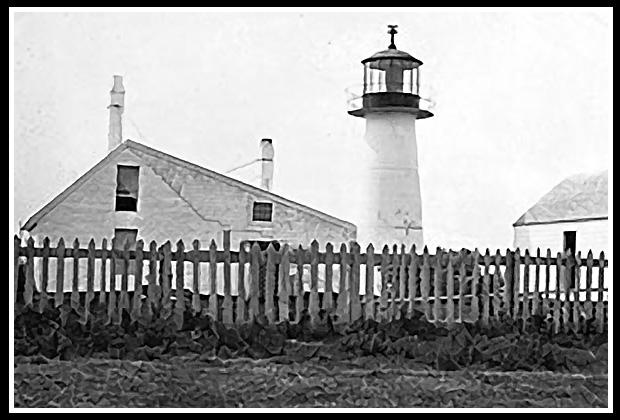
[579, 197]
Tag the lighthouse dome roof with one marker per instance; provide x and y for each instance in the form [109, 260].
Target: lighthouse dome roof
[392, 54]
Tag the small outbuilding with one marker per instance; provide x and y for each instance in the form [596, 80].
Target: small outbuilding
[572, 216]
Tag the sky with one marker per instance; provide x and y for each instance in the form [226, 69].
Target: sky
[522, 101]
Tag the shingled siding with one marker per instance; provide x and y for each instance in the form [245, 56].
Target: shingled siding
[232, 205]
[178, 203]
[88, 212]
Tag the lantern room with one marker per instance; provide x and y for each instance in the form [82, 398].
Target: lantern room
[391, 83]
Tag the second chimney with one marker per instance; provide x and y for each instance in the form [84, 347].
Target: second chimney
[266, 181]
[117, 104]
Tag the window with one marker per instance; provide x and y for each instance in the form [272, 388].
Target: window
[261, 212]
[570, 241]
[123, 236]
[127, 188]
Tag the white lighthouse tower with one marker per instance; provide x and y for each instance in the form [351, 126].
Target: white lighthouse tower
[390, 205]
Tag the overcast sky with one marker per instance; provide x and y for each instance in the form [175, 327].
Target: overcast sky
[522, 102]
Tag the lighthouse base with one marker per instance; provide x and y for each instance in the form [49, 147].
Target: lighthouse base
[379, 236]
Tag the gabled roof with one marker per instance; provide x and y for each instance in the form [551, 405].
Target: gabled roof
[580, 197]
[171, 162]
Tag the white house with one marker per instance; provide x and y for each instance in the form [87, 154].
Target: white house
[137, 192]
[573, 215]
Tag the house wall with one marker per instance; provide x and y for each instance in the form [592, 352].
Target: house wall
[88, 212]
[232, 206]
[204, 209]
[174, 203]
[591, 235]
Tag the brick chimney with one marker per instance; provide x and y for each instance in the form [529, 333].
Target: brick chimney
[266, 181]
[117, 104]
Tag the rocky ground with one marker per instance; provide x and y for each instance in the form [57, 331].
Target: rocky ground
[199, 381]
[61, 361]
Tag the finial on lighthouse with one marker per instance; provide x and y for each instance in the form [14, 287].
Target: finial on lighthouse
[392, 32]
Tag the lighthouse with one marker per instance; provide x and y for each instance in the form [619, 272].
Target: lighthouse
[390, 201]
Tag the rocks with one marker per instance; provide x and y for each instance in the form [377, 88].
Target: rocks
[366, 382]
[503, 345]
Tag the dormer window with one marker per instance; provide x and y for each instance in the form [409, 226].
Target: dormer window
[262, 212]
[127, 188]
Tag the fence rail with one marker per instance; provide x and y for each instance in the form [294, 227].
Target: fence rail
[234, 286]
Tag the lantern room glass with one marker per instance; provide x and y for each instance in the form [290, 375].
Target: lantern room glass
[391, 75]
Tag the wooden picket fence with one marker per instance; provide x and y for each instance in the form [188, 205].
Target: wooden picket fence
[447, 287]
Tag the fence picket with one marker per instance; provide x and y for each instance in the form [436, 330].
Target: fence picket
[29, 287]
[45, 260]
[313, 302]
[516, 283]
[165, 281]
[462, 284]
[383, 303]
[136, 306]
[60, 273]
[450, 319]
[486, 281]
[356, 305]
[227, 305]
[527, 260]
[566, 308]
[213, 301]
[536, 298]
[112, 296]
[403, 281]
[577, 300]
[413, 281]
[90, 279]
[328, 296]
[600, 307]
[270, 284]
[103, 268]
[475, 306]
[425, 284]
[393, 284]
[547, 300]
[508, 286]
[499, 300]
[241, 290]
[557, 307]
[369, 299]
[437, 292]
[16, 247]
[154, 289]
[343, 294]
[254, 281]
[284, 284]
[195, 259]
[588, 307]
[299, 284]
[124, 296]
[179, 293]
[601, 277]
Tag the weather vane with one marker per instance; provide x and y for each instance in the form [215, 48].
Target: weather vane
[392, 32]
